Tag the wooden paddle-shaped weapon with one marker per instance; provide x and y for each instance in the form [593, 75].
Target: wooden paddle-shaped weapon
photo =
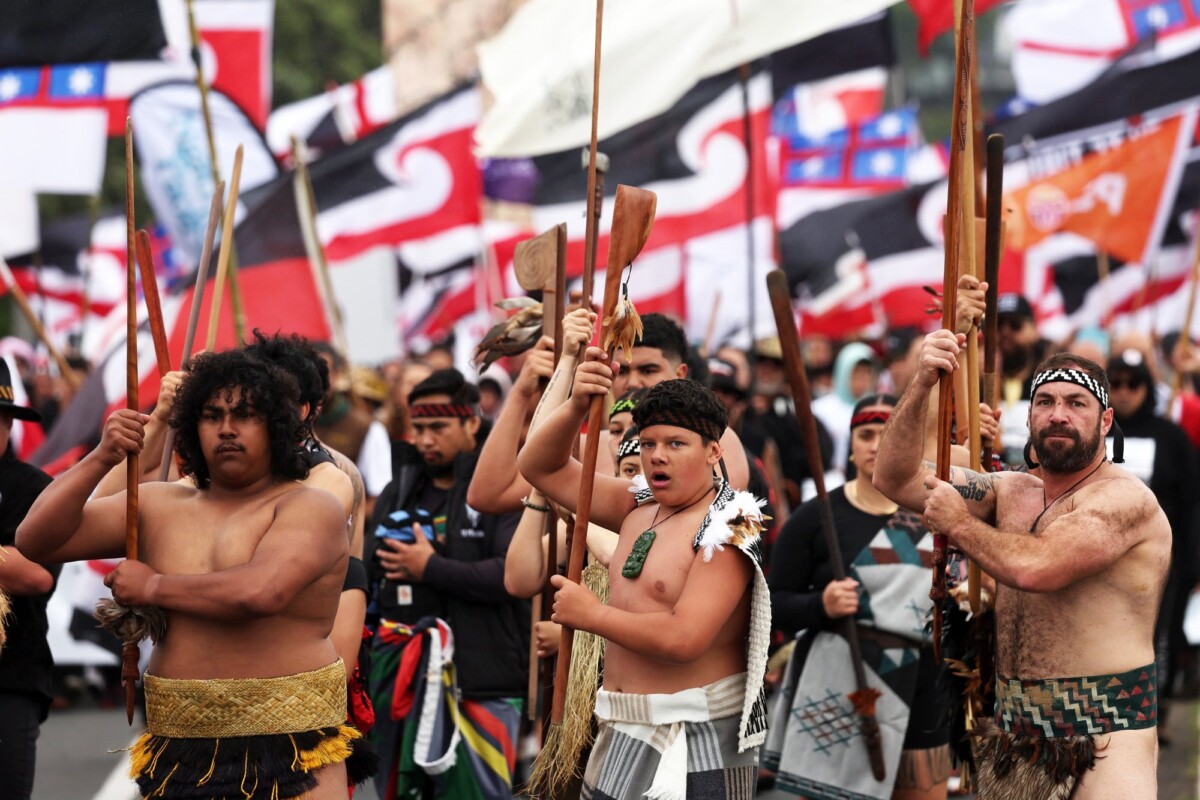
[865, 695]
[158, 333]
[633, 216]
[536, 264]
[130, 651]
[214, 214]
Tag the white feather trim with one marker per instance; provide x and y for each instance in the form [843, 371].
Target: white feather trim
[639, 483]
[745, 508]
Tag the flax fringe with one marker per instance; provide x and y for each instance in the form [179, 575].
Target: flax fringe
[558, 763]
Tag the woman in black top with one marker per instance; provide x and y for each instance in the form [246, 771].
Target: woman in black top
[886, 552]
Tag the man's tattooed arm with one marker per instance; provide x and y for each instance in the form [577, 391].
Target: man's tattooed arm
[978, 489]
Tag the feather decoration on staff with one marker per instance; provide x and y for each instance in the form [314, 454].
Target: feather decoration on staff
[511, 336]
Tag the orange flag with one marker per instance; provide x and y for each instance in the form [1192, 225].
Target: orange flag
[1117, 196]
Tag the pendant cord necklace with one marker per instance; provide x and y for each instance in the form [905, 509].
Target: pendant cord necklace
[655, 523]
[1074, 486]
[641, 547]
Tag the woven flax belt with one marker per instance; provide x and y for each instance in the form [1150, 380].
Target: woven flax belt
[221, 708]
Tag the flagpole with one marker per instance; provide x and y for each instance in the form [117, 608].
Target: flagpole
[235, 295]
[748, 133]
[593, 203]
[306, 211]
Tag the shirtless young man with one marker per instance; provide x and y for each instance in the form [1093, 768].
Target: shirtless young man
[1081, 556]
[247, 563]
[678, 672]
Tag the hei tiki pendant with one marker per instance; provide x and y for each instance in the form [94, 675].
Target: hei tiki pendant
[637, 556]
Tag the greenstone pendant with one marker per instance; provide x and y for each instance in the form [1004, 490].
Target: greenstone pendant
[637, 556]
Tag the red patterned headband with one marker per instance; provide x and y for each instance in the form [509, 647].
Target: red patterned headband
[869, 417]
[422, 410]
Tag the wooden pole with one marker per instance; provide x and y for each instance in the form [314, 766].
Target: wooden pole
[633, 216]
[593, 202]
[306, 212]
[793, 367]
[235, 295]
[214, 213]
[960, 229]
[145, 259]
[993, 245]
[553, 305]
[223, 254]
[129, 652]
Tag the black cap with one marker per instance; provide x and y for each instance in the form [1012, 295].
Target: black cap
[6, 397]
[1013, 304]
[1130, 360]
[722, 377]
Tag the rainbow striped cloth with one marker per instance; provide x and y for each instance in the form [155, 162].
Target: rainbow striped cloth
[431, 743]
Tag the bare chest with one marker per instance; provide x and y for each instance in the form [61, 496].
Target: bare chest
[650, 563]
[200, 535]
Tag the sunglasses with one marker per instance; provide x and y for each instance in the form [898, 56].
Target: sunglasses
[1132, 384]
[1012, 323]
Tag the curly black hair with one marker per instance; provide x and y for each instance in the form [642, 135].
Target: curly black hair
[297, 355]
[683, 402]
[270, 390]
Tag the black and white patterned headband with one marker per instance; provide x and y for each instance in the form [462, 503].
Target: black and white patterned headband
[1077, 377]
[629, 447]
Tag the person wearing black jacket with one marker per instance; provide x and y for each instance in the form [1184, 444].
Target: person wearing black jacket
[432, 556]
[1159, 452]
[26, 665]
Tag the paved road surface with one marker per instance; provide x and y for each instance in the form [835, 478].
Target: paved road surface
[73, 762]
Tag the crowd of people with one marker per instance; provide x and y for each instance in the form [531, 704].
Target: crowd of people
[346, 559]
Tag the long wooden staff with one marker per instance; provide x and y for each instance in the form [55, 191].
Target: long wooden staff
[214, 214]
[993, 239]
[993, 244]
[145, 259]
[864, 696]
[960, 224]
[235, 295]
[633, 216]
[129, 651]
[536, 264]
[593, 202]
[223, 255]
[553, 305]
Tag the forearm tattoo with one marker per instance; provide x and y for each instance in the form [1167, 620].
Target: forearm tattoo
[973, 486]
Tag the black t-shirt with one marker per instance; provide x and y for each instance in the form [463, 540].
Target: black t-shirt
[25, 661]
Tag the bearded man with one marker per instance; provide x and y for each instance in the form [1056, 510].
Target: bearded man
[1080, 552]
